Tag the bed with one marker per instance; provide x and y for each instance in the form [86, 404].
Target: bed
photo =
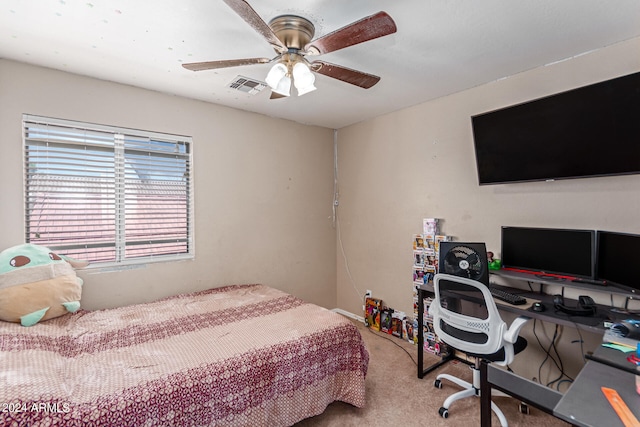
[245, 355]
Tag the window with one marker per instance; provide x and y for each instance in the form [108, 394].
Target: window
[107, 195]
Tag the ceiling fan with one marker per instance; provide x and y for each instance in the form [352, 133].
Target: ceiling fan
[292, 38]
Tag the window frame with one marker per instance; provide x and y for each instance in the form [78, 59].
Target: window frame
[120, 183]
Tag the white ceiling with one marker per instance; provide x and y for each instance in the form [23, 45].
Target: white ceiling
[441, 46]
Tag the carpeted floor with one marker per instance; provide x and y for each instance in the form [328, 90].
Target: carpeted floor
[396, 397]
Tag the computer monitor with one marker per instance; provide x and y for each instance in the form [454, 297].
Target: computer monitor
[617, 259]
[560, 252]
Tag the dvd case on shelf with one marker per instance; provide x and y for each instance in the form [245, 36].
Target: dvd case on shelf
[372, 309]
[426, 248]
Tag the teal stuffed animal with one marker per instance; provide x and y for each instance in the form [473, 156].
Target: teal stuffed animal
[36, 284]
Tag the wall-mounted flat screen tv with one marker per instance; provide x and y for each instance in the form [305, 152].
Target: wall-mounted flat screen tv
[550, 251]
[585, 132]
[617, 259]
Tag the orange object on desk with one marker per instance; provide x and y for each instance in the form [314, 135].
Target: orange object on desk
[621, 408]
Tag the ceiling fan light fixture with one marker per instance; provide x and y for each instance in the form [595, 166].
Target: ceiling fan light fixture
[276, 75]
[307, 89]
[303, 78]
[284, 86]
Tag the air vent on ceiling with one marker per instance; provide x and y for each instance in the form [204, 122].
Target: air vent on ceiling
[245, 84]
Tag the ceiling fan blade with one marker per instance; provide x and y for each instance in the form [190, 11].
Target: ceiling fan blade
[210, 65]
[357, 78]
[247, 13]
[368, 28]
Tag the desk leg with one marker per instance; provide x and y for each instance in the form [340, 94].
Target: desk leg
[419, 332]
[485, 396]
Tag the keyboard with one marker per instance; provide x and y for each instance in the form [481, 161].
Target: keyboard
[507, 296]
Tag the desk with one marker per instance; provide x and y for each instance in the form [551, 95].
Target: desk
[589, 323]
[582, 405]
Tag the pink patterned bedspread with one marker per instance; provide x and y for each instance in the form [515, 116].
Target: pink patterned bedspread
[245, 355]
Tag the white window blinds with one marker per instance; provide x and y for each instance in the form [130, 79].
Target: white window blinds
[107, 195]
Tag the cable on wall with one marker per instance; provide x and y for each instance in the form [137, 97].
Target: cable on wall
[335, 177]
[346, 262]
[336, 221]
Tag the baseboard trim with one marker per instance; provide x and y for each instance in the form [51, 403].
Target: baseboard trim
[348, 314]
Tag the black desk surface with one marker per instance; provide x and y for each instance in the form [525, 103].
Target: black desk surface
[595, 323]
[584, 404]
[590, 323]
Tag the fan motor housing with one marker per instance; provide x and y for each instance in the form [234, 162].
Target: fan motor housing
[293, 31]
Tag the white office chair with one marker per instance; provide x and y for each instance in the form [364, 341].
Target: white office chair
[480, 332]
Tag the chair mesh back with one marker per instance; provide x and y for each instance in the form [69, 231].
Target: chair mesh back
[472, 337]
[471, 324]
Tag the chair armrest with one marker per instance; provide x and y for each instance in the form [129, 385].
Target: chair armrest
[511, 334]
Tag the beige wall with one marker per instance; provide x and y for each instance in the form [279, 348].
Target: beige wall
[396, 169]
[263, 195]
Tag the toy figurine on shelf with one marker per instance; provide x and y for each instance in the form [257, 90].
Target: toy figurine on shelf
[494, 264]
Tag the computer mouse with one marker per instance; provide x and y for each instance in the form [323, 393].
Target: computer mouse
[538, 306]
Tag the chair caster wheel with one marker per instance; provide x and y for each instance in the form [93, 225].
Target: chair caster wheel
[444, 412]
[524, 408]
[437, 384]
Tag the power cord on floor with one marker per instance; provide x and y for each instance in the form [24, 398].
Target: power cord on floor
[394, 343]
